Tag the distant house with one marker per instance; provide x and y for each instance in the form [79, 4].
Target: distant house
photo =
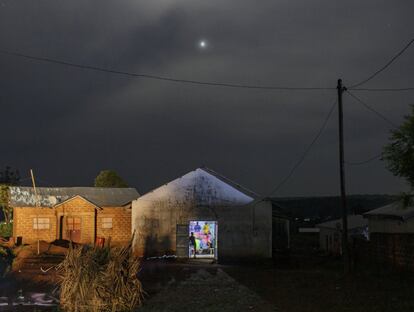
[392, 218]
[226, 219]
[391, 230]
[80, 214]
[330, 232]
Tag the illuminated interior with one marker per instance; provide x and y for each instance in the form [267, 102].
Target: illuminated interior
[205, 239]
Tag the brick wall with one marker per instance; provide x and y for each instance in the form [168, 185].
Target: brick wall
[387, 249]
[23, 224]
[120, 233]
[80, 208]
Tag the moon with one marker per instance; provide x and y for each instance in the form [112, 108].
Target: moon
[202, 44]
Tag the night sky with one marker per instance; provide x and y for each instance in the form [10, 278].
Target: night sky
[68, 124]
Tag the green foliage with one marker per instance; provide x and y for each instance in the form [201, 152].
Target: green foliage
[399, 154]
[6, 260]
[109, 178]
[7, 177]
[6, 229]
[4, 203]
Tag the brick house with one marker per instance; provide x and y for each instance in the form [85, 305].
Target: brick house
[391, 233]
[80, 214]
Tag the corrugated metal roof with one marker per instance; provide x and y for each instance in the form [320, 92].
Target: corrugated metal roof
[23, 196]
[230, 182]
[395, 210]
[203, 187]
[354, 221]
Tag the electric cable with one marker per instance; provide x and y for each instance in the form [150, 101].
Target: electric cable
[307, 150]
[395, 57]
[162, 78]
[380, 115]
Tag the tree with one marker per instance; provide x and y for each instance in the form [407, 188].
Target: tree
[399, 154]
[109, 178]
[8, 177]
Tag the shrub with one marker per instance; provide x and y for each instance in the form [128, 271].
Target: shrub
[6, 230]
[6, 260]
[100, 279]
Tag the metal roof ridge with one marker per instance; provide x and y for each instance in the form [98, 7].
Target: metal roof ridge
[230, 182]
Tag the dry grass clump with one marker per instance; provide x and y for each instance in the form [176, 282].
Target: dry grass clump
[100, 279]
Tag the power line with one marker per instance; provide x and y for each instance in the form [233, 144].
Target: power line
[379, 115]
[162, 78]
[307, 150]
[382, 89]
[358, 163]
[385, 66]
[372, 110]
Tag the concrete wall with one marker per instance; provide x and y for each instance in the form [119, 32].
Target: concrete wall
[330, 240]
[243, 231]
[380, 225]
[281, 234]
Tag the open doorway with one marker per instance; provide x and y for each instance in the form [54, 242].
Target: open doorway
[205, 238]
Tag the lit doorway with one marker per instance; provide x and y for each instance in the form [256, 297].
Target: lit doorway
[204, 243]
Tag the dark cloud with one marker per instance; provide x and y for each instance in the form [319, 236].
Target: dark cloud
[69, 123]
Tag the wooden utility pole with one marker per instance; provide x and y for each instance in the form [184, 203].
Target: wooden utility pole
[37, 214]
[345, 247]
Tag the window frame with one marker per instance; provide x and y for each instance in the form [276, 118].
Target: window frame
[105, 224]
[40, 223]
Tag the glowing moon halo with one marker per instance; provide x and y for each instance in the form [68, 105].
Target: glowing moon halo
[202, 44]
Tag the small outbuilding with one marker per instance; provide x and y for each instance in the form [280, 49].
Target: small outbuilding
[391, 230]
[223, 219]
[330, 233]
[392, 218]
[79, 214]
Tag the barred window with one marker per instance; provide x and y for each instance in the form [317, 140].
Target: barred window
[41, 223]
[107, 223]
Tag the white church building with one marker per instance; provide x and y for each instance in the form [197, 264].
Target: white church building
[224, 219]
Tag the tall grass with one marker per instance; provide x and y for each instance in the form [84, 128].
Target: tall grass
[100, 279]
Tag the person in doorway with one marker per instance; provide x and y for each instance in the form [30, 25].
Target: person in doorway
[193, 243]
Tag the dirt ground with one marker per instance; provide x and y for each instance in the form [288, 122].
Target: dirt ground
[324, 288]
[205, 289]
[293, 283]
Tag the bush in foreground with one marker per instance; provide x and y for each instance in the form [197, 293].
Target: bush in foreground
[100, 279]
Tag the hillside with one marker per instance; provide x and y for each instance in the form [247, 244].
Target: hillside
[329, 207]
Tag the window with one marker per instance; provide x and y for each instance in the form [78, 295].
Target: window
[73, 223]
[41, 223]
[107, 223]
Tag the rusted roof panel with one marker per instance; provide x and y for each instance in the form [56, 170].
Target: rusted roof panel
[23, 196]
[394, 210]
